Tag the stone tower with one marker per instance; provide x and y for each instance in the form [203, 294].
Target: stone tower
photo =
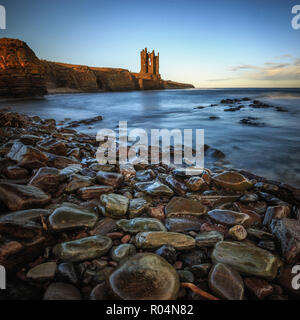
[150, 64]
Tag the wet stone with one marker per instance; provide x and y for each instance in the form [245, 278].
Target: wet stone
[137, 225]
[109, 178]
[71, 216]
[27, 156]
[137, 207]
[183, 224]
[184, 207]
[62, 291]
[145, 276]
[122, 251]
[155, 188]
[168, 253]
[154, 240]
[82, 249]
[201, 270]
[42, 272]
[238, 232]
[15, 172]
[20, 197]
[77, 182]
[192, 258]
[228, 217]
[249, 197]
[267, 245]
[259, 287]
[66, 273]
[277, 212]
[94, 192]
[46, 179]
[208, 239]
[232, 180]
[247, 259]
[195, 183]
[115, 205]
[225, 282]
[186, 276]
[287, 231]
[178, 187]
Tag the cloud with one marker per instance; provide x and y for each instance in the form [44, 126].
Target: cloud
[243, 67]
[284, 56]
[220, 79]
[270, 71]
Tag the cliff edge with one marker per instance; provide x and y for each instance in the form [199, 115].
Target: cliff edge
[22, 74]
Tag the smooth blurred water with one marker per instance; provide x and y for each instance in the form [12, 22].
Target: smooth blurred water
[272, 150]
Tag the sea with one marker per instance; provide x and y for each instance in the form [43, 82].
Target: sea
[269, 148]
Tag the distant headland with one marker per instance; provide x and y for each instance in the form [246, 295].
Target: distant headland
[23, 74]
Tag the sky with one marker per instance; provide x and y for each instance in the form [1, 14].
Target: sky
[211, 44]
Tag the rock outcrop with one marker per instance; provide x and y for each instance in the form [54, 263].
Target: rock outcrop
[23, 74]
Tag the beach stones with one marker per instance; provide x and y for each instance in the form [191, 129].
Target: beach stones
[183, 224]
[167, 252]
[46, 179]
[62, 291]
[137, 225]
[19, 197]
[115, 205]
[66, 272]
[155, 188]
[184, 207]
[238, 232]
[15, 172]
[122, 251]
[195, 183]
[179, 187]
[83, 249]
[42, 272]
[287, 231]
[145, 276]
[225, 282]
[27, 156]
[259, 287]
[109, 178]
[93, 192]
[247, 259]
[154, 240]
[71, 216]
[208, 239]
[228, 217]
[54, 146]
[78, 181]
[137, 207]
[232, 180]
[277, 212]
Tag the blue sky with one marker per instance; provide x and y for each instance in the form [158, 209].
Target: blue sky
[213, 43]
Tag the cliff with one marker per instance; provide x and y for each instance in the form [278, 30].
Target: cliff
[23, 74]
[20, 70]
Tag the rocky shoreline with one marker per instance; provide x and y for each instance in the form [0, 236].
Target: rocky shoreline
[73, 229]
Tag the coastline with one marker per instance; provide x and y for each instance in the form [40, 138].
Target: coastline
[63, 212]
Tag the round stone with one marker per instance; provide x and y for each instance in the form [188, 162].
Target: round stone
[145, 276]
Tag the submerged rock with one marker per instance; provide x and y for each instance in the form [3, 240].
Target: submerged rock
[62, 291]
[83, 249]
[42, 272]
[247, 259]
[146, 276]
[208, 239]
[109, 178]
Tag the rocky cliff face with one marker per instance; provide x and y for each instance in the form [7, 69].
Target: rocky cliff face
[23, 74]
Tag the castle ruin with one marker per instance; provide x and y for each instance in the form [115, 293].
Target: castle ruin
[149, 64]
